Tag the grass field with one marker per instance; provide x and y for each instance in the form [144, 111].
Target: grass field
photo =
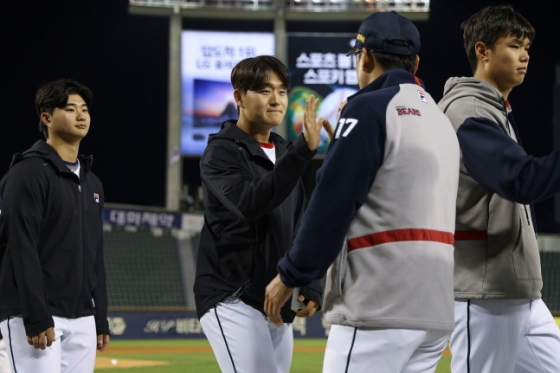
[195, 356]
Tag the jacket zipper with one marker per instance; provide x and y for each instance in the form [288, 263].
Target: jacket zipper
[80, 274]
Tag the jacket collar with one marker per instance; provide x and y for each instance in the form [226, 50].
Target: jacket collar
[389, 78]
[46, 152]
[231, 132]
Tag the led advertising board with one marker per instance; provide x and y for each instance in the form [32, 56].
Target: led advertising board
[319, 66]
[207, 58]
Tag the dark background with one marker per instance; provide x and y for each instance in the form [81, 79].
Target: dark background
[123, 58]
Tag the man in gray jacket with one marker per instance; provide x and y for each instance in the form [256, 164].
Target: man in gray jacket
[501, 323]
[377, 221]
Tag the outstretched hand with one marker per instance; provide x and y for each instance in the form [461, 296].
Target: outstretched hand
[275, 297]
[328, 126]
[309, 309]
[311, 123]
[309, 118]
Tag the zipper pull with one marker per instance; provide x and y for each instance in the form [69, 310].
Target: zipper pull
[79, 188]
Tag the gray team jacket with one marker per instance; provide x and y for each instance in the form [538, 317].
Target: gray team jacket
[496, 252]
[382, 215]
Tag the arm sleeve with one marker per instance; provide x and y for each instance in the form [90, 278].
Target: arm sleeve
[24, 201]
[497, 162]
[344, 181]
[239, 191]
[314, 291]
[100, 292]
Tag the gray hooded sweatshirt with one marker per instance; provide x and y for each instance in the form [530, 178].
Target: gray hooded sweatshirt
[496, 252]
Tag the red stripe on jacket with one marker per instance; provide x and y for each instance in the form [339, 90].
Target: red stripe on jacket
[471, 235]
[399, 235]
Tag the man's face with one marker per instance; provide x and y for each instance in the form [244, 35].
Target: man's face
[265, 107]
[70, 123]
[508, 61]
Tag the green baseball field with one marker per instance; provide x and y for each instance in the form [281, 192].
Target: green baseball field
[195, 356]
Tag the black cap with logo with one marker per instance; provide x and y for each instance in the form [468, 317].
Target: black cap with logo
[378, 30]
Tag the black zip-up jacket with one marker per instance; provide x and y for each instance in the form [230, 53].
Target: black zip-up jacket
[252, 209]
[51, 241]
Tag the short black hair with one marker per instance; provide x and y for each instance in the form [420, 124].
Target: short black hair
[393, 61]
[396, 61]
[252, 73]
[55, 95]
[491, 23]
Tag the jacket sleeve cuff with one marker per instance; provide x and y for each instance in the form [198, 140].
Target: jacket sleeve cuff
[301, 148]
[290, 275]
[38, 327]
[102, 326]
[312, 293]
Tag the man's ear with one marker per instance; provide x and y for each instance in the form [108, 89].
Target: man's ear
[238, 96]
[46, 118]
[367, 61]
[416, 64]
[481, 51]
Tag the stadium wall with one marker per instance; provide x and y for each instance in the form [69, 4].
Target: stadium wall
[150, 258]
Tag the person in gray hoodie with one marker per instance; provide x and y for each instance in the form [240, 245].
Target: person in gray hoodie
[501, 323]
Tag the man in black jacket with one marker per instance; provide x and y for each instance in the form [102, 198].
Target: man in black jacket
[53, 298]
[253, 203]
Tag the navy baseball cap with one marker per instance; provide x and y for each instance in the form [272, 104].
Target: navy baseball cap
[379, 29]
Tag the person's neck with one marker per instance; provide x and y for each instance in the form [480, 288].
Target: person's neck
[505, 91]
[375, 73]
[254, 132]
[67, 151]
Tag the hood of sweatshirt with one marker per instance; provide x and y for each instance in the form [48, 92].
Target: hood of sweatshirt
[48, 154]
[456, 88]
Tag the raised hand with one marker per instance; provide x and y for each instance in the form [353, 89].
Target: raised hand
[311, 124]
[329, 128]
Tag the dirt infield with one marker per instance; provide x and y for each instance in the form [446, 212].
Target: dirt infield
[115, 363]
[112, 363]
[164, 350]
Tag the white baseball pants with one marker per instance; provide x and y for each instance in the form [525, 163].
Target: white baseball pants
[504, 336]
[244, 341]
[365, 350]
[4, 361]
[73, 351]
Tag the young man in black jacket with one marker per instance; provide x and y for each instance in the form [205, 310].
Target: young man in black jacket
[53, 298]
[253, 203]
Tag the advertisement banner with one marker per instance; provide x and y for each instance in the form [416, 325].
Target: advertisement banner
[146, 325]
[207, 58]
[153, 219]
[319, 66]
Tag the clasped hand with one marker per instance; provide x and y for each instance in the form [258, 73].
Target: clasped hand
[276, 296]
